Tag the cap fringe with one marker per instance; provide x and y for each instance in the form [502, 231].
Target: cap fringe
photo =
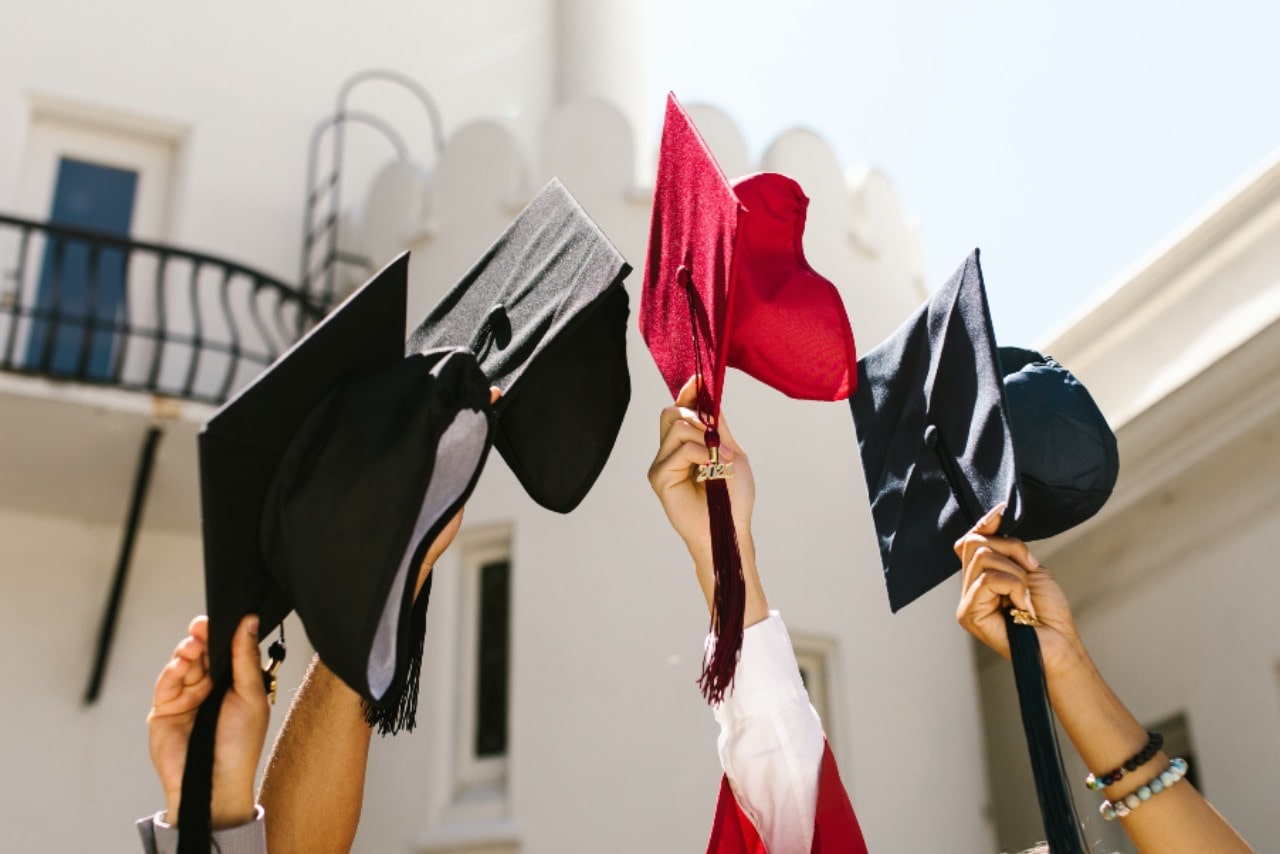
[401, 713]
[730, 599]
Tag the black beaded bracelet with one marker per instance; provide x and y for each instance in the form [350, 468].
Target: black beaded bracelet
[1100, 781]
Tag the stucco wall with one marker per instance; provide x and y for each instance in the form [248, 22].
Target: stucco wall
[1173, 583]
[608, 735]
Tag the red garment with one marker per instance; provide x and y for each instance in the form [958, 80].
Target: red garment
[835, 829]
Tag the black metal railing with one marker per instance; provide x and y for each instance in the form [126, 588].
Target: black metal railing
[96, 308]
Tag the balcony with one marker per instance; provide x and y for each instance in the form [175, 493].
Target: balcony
[98, 309]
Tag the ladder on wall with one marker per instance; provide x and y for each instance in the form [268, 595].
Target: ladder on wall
[323, 258]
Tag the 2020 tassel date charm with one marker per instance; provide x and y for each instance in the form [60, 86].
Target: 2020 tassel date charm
[713, 469]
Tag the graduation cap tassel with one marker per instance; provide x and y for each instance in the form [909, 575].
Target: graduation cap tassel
[730, 597]
[197, 776]
[402, 715]
[730, 588]
[1057, 810]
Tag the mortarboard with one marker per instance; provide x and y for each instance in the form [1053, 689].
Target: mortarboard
[727, 284]
[324, 482]
[322, 485]
[940, 412]
[949, 426]
[545, 313]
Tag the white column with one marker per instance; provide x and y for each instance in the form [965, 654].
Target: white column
[600, 52]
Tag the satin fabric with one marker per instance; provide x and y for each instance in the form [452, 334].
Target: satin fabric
[835, 828]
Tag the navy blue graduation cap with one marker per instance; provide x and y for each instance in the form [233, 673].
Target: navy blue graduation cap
[949, 425]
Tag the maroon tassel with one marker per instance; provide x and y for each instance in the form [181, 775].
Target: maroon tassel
[730, 597]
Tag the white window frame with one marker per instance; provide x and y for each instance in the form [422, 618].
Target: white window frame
[479, 786]
[59, 128]
[475, 775]
[475, 815]
[816, 655]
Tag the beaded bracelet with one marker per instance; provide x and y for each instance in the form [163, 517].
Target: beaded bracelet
[1119, 809]
[1100, 781]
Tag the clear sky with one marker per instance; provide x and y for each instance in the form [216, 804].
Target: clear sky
[1064, 139]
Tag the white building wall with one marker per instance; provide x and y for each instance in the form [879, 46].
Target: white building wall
[608, 622]
[1173, 584]
[609, 738]
[241, 85]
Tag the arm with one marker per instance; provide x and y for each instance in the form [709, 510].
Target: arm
[182, 686]
[313, 788]
[771, 740]
[1103, 730]
[681, 446]
[314, 783]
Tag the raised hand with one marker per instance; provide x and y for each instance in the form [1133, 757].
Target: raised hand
[182, 686]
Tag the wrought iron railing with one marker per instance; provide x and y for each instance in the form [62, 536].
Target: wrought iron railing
[96, 308]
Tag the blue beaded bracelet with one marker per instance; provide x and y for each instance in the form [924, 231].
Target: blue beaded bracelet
[1119, 809]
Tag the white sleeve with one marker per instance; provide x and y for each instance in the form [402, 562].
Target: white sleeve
[771, 740]
[159, 837]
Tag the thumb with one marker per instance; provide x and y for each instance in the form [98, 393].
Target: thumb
[990, 523]
[246, 666]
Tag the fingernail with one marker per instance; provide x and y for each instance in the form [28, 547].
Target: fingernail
[998, 510]
[1031, 606]
[252, 626]
[1031, 559]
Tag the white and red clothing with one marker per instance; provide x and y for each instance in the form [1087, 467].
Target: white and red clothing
[781, 792]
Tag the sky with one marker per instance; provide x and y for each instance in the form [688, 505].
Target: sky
[1066, 140]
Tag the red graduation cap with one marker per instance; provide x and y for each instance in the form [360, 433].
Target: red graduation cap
[727, 284]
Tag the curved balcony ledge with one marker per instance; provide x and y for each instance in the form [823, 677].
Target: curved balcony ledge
[94, 309]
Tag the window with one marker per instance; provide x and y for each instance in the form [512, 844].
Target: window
[88, 167]
[81, 283]
[481, 737]
[1177, 742]
[492, 665]
[816, 656]
[474, 812]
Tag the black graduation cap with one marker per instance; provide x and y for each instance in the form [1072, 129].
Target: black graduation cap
[324, 482]
[322, 485]
[545, 313]
[949, 426]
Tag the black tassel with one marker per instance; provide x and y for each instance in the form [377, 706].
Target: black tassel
[730, 596]
[401, 713]
[1057, 811]
[197, 775]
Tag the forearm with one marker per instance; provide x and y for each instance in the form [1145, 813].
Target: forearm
[757, 605]
[1105, 733]
[314, 783]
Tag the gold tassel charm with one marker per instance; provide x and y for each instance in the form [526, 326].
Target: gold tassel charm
[714, 469]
